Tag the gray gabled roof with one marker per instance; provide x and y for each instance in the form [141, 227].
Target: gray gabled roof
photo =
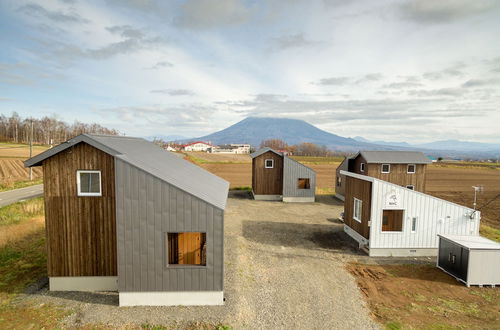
[152, 159]
[395, 157]
[263, 151]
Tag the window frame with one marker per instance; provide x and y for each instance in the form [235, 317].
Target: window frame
[403, 226]
[360, 210]
[413, 225]
[308, 185]
[410, 185]
[272, 163]
[78, 183]
[362, 167]
[382, 168]
[414, 169]
[190, 266]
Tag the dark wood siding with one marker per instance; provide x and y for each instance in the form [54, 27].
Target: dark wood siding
[340, 186]
[356, 165]
[81, 231]
[362, 190]
[267, 181]
[398, 175]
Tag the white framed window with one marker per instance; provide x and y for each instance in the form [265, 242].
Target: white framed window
[386, 168]
[411, 187]
[358, 207]
[411, 169]
[269, 163]
[339, 181]
[362, 167]
[413, 224]
[88, 183]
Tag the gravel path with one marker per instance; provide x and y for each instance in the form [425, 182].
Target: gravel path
[284, 269]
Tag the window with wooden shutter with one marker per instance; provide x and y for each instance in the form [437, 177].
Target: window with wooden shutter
[188, 248]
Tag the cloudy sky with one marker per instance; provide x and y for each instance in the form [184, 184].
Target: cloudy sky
[410, 71]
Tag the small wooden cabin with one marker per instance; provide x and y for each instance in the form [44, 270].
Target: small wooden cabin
[390, 220]
[404, 168]
[123, 214]
[276, 176]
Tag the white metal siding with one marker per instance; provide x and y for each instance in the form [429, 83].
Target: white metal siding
[435, 216]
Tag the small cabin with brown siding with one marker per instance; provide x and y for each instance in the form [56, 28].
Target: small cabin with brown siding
[276, 176]
[123, 214]
[404, 168]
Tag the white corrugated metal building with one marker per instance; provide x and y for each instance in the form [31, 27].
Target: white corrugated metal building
[422, 219]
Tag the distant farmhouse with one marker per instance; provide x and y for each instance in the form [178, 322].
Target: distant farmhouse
[223, 149]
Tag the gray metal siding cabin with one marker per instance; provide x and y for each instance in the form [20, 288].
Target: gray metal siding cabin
[292, 172]
[157, 195]
[147, 209]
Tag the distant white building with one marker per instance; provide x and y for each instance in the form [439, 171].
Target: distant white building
[232, 149]
[170, 148]
[198, 146]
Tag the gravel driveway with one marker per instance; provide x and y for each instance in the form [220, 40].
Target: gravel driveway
[284, 269]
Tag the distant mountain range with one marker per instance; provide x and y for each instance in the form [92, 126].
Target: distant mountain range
[253, 130]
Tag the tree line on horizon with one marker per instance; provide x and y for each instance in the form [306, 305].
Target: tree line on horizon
[301, 149]
[46, 130]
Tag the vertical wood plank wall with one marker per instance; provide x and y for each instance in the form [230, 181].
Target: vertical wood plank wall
[340, 189]
[81, 231]
[360, 189]
[267, 181]
[147, 209]
[397, 175]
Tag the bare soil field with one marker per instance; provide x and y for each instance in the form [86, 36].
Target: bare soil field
[455, 184]
[423, 297]
[223, 158]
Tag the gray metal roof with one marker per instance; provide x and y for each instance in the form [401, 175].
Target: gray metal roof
[395, 157]
[473, 242]
[151, 158]
[263, 151]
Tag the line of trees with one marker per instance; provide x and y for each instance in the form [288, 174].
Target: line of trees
[301, 149]
[46, 130]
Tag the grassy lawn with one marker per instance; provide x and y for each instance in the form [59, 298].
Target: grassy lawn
[22, 262]
[424, 297]
[490, 232]
[19, 184]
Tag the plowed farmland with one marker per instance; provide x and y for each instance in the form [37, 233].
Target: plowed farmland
[11, 162]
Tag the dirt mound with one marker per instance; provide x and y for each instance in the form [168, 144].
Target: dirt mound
[422, 296]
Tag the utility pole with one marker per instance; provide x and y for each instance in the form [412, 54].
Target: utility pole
[31, 148]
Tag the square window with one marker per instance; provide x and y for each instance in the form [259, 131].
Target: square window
[269, 163]
[88, 183]
[187, 248]
[386, 168]
[411, 187]
[392, 220]
[362, 167]
[303, 184]
[358, 205]
[411, 168]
